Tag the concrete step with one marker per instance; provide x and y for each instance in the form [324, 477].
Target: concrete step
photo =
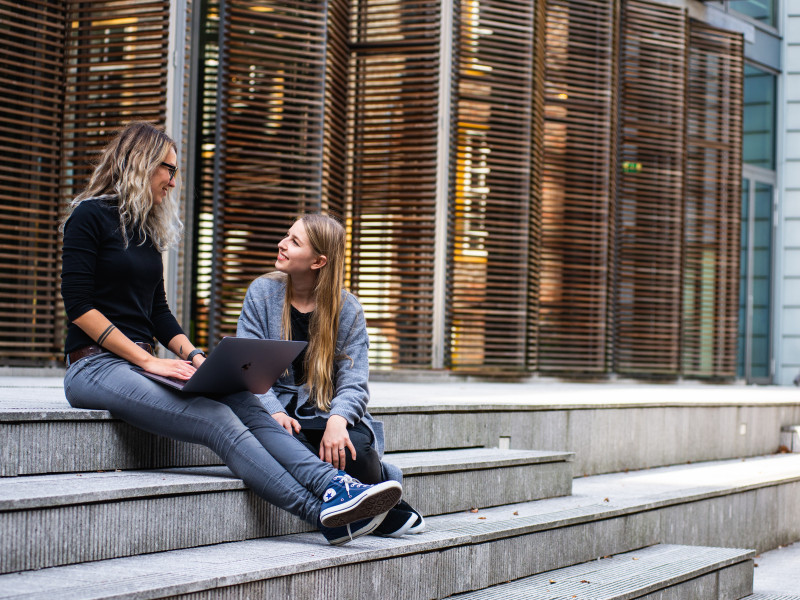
[777, 574]
[50, 520]
[733, 504]
[666, 572]
[663, 424]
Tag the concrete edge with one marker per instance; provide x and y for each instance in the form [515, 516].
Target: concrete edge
[24, 415]
[65, 489]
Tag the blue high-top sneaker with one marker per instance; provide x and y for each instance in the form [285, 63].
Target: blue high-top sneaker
[337, 536]
[347, 500]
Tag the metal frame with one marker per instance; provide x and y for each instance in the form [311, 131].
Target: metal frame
[755, 175]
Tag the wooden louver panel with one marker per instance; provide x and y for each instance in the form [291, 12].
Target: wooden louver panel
[270, 149]
[649, 217]
[576, 186]
[31, 76]
[492, 195]
[392, 137]
[536, 178]
[334, 143]
[712, 202]
[116, 73]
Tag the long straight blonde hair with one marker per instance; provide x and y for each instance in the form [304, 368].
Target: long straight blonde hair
[125, 171]
[326, 236]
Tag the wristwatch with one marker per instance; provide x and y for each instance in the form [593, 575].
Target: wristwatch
[194, 353]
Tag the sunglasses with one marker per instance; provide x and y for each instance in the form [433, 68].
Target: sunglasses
[171, 168]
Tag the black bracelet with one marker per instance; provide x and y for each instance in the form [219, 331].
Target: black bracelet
[194, 353]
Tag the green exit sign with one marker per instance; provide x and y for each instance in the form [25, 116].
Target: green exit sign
[631, 167]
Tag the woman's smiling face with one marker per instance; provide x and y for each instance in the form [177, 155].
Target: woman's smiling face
[162, 181]
[295, 254]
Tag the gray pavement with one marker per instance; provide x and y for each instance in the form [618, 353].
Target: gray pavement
[778, 571]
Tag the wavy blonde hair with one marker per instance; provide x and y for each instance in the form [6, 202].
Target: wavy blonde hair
[326, 236]
[125, 171]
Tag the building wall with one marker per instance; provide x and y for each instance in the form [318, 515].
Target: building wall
[788, 242]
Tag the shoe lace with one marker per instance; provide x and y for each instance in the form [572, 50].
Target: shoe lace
[349, 481]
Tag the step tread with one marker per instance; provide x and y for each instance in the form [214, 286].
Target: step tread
[471, 458]
[655, 485]
[235, 562]
[34, 399]
[621, 576]
[37, 491]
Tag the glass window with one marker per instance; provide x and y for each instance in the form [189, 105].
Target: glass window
[762, 279]
[760, 10]
[741, 355]
[758, 142]
[755, 289]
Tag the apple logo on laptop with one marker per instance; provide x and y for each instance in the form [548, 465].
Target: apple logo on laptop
[246, 366]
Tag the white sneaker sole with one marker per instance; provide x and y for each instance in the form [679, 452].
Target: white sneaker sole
[417, 527]
[403, 529]
[368, 528]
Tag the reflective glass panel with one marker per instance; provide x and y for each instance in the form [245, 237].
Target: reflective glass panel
[755, 283]
[760, 10]
[758, 140]
[762, 280]
[740, 347]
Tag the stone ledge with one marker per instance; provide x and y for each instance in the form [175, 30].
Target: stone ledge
[656, 568]
[46, 491]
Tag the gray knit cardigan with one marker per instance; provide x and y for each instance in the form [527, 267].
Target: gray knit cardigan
[261, 318]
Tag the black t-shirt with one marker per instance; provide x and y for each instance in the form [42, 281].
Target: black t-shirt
[300, 324]
[125, 284]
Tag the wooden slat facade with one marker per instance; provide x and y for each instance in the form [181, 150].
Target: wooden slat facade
[116, 72]
[649, 211]
[576, 186]
[277, 149]
[271, 141]
[712, 212]
[492, 199]
[536, 184]
[31, 75]
[392, 137]
[562, 256]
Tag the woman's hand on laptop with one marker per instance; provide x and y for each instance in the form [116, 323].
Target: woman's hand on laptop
[169, 367]
[287, 422]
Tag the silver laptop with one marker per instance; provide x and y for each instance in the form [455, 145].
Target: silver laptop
[236, 365]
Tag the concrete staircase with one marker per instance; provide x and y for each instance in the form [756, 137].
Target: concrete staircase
[91, 508]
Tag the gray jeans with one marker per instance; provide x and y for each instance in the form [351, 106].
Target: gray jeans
[252, 444]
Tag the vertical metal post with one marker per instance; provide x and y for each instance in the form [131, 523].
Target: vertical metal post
[748, 305]
[192, 155]
[216, 210]
[439, 333]
[174, 119]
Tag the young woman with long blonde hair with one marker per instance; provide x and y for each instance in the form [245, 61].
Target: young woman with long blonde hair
[113, 290]
[322, 398]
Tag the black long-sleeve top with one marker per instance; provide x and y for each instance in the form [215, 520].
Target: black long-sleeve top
[125, 284]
